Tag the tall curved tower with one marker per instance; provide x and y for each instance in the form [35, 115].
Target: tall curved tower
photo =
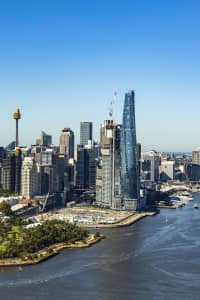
[129, 163]
[17, 117]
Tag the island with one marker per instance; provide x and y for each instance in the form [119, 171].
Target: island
[25, 244]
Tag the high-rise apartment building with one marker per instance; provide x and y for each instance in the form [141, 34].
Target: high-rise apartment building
[67, 142]
[85, 133]
[29, 178]
[166, 170]
[150, 166]
[129, 163]
[108, 186]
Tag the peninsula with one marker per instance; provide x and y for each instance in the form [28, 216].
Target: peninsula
[22, 244]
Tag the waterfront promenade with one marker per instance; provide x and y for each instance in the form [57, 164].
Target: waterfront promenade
[122, 223]
[95, 217]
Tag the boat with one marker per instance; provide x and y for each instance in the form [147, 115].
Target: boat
[186, 198]
[195, 205]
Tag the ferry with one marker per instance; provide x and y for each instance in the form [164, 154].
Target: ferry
[195, 205]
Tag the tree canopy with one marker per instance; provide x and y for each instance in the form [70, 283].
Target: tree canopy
[19, 241]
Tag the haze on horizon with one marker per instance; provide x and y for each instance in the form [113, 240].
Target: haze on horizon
[61, 61]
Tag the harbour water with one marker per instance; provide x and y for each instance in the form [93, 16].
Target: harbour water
[156, 258]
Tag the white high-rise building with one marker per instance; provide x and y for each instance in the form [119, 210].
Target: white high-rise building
[150, 162]
[166, 170]
[29, 178]
[196, 157]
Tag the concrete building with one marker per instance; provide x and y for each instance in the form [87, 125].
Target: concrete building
[166, 170]
[44, 157]
[196, 157]
[85, 133]
[150, 162]
[67, 143]
[108, 183]
[29, 178]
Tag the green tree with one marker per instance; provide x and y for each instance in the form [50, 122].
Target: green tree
[5, 208]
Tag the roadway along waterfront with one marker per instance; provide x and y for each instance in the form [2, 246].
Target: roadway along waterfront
[156, 258]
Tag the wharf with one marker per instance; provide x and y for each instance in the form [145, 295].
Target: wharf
[122, 223]
[170, 206]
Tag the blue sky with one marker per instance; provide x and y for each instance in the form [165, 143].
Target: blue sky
[61, 61]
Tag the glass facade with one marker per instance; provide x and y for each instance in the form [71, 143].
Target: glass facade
[85, 132]
[129, 168]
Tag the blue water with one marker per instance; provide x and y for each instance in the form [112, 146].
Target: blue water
[156, 258]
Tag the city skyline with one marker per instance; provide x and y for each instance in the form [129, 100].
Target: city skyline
[57, 69]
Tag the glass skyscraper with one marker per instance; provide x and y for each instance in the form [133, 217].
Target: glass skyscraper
[129, 163]
[85, 133]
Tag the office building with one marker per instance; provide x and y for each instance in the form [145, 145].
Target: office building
[8, 173]
[11, 171]
[150, 162]
[86, 168]
[46, 139]
[44, 159]
[129, 163]
[166, 170]
[67, 143]
[85, 133]
[196, 157]
[192, 171]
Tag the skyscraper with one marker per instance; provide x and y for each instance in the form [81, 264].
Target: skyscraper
[46, 139]
[29, 178]
[129, 162]
[67, 142]
[11, 171]
[86, 168]
[85, 132]
[150, 166]
[8, 172]
[108, 186]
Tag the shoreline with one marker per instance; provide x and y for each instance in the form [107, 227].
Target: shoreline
[122, 223]
[54, 250]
